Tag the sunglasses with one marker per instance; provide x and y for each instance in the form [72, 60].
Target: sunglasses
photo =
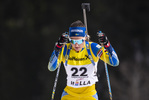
[80, 41]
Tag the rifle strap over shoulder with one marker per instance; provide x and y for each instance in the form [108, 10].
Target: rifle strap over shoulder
[89, 53]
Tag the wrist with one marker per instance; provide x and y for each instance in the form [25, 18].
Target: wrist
[109, 48]
[107, 44]
[58, 46]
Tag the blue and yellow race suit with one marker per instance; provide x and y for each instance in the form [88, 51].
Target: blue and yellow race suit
[81, 69]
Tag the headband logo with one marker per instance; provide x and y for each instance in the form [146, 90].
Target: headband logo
[76, 30]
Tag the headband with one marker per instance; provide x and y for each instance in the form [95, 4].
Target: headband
[77, 31]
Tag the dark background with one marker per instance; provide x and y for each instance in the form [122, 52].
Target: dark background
[30, 28]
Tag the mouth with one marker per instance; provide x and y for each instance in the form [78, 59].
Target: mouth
[77, 48]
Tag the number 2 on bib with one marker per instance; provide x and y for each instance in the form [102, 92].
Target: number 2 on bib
[76, 70]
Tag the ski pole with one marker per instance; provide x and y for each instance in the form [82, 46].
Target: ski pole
[107, 74]
[56, 77]
[106, 69]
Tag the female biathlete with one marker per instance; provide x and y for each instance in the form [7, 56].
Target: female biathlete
[80, 58]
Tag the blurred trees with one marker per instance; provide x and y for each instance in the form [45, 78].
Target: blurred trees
[29, 30]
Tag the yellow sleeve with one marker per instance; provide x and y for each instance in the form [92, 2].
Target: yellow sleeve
[105, 56]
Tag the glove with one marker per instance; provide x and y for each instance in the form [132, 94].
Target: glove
[103, 40]
[61, 41]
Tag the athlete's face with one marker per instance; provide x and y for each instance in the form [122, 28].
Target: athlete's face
[77, 42]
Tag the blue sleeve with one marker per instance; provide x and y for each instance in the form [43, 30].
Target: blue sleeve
[54, 62]
[113, 56]
[95, 48]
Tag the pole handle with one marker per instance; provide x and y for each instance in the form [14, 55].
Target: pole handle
[86, 6]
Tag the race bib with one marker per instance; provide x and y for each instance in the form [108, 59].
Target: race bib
[81, 75]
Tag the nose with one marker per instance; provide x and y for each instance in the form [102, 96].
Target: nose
[76, 45]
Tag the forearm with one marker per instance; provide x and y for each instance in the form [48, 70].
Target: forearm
[54, 61]
[110, 56]
[113, 59]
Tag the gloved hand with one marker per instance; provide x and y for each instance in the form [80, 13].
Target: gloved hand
[103, 40]
[62, 40]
